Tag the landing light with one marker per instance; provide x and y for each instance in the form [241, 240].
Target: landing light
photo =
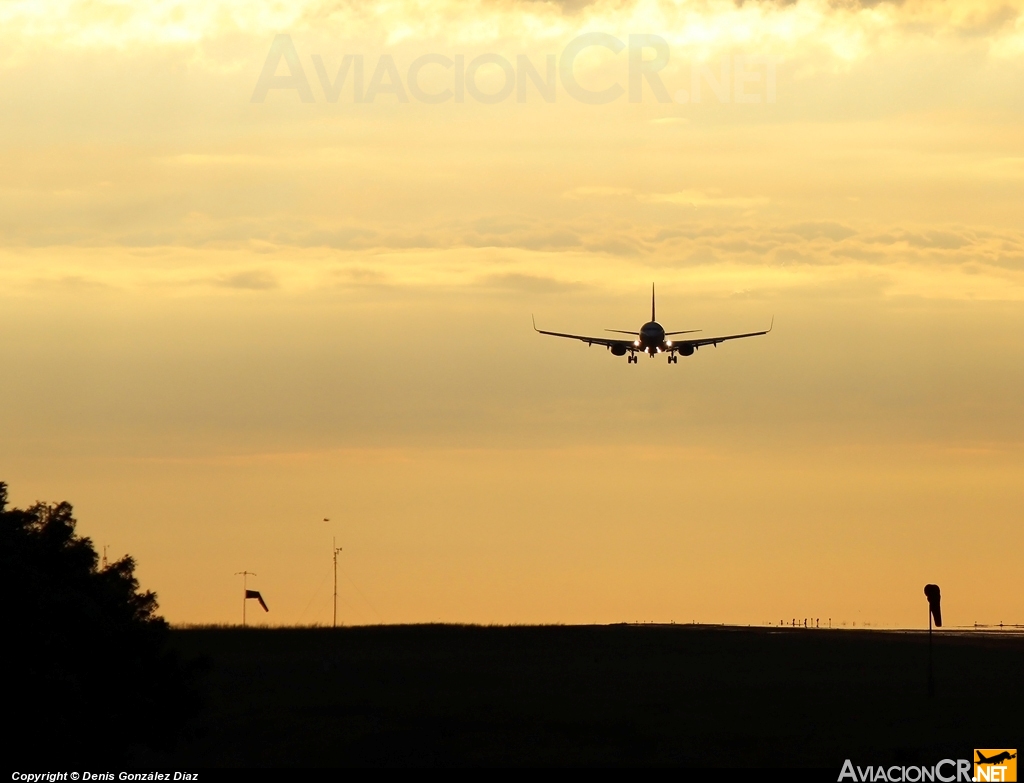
[668, 343]
[636, 343]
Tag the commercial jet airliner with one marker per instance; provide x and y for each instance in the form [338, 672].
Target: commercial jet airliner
[652, 339]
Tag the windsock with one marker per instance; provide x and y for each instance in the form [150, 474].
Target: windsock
[256, 594]
[932, 593]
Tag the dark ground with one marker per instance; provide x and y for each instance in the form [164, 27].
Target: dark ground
[597, 695]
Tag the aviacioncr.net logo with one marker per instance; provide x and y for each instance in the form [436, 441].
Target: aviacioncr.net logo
[946, 771]
[995, 764]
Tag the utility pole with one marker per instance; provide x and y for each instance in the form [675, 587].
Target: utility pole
[105, 556]
[334, 544]
[245, 589]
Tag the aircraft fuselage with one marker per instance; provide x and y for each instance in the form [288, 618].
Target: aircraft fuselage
[652, 338]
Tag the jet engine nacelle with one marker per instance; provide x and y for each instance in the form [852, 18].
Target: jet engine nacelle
[686, 350]
[618, 350]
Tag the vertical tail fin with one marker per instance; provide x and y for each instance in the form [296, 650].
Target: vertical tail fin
[652, 303]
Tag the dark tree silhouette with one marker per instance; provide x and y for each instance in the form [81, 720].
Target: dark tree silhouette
[87, 673]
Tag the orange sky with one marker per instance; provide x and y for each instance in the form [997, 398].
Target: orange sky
[223, 320]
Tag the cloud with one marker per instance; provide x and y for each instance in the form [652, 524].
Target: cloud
[939, 239]
[685, 198]
[828, 229]
[531, 284]
[617, 246]
[530, 234]
[78, 284]
[249, 280]
[498, 224]
[699, 198]
[596, 192]
[838, 30]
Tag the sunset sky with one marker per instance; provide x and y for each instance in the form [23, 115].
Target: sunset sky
[225, 316]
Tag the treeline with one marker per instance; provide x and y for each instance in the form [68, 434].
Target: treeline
[88, 672]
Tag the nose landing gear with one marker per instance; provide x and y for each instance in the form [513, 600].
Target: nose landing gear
[631, 359]
[673, 359]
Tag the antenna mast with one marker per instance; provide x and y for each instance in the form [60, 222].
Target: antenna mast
[245, 589]
[334, 544]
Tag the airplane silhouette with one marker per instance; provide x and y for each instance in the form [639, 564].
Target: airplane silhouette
[996, 759]
[652, 339]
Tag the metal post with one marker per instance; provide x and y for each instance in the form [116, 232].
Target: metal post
[931, 681]
[336, 548]
[245, 589]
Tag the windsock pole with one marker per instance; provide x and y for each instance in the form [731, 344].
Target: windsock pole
[245, 589]
[931, 681]
[934, 596]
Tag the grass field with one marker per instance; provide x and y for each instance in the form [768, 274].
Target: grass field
[598, 695]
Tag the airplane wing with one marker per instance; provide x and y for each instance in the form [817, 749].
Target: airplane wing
[697, 343]
[605, 341]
